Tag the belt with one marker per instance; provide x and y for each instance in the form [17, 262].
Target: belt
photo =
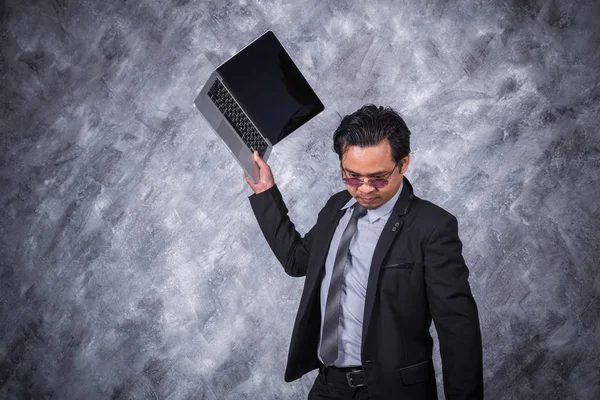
[353, 375]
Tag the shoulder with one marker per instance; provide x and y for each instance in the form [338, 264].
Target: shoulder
[425, 206]
[334, 204]
[431, 215]
[337, 200]
[427, 221]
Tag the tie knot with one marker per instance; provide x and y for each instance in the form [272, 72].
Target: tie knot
[359, 211]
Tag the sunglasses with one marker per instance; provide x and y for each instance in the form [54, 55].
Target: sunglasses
[376, 183]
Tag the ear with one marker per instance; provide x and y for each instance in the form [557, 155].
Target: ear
[405, 161]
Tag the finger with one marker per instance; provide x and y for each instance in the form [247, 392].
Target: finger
[254, 185]
[260, 162]
[258, 158]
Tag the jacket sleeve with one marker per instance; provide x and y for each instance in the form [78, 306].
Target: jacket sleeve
[289, 247]
[454, 312]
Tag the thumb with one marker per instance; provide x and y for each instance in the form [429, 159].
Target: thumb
[258, 159]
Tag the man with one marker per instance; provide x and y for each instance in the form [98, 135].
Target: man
[379, 264]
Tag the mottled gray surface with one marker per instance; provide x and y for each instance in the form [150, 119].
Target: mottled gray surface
[131, 265]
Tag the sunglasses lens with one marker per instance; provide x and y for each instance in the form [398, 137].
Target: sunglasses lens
[376, 183]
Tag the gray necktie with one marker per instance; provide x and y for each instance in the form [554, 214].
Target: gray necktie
[329, 341]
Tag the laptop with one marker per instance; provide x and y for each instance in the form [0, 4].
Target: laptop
[256, 99]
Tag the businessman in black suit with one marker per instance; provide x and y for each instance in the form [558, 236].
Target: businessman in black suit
[379, 263]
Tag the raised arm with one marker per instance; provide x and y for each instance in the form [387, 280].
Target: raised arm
[289, 247]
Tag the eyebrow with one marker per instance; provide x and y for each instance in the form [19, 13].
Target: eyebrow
[372, 174]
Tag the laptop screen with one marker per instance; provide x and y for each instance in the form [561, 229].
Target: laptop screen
[270, 88]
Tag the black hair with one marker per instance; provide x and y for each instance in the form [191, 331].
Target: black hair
[369, 126]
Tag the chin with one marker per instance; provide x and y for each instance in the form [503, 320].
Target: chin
[376, 202]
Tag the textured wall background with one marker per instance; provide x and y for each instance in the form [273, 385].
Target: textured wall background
[131, 265]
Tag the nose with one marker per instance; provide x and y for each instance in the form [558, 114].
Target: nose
[366, 188]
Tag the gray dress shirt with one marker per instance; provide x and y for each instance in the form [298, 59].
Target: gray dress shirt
[356, 275]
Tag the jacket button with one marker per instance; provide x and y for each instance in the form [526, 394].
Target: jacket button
[368, 362]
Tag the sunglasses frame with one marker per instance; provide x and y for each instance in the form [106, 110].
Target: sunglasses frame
[376, 183]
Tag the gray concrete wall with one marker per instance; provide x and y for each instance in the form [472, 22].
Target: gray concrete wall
[131, 265]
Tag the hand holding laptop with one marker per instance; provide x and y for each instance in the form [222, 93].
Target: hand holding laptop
[256, 99]
[266, 180]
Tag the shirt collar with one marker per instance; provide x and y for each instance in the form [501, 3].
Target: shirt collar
[381, 211]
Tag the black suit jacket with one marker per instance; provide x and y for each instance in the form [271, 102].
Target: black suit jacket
[417, 273]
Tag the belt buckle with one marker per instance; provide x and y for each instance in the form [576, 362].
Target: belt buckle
[350, 378]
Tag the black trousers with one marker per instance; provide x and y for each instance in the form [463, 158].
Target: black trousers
[333, 385]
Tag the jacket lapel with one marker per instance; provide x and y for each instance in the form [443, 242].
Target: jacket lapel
[320, 249]
[391, 229]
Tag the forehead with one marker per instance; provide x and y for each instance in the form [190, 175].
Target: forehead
[368, 160]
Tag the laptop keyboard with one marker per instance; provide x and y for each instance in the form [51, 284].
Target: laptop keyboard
[237, 118]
